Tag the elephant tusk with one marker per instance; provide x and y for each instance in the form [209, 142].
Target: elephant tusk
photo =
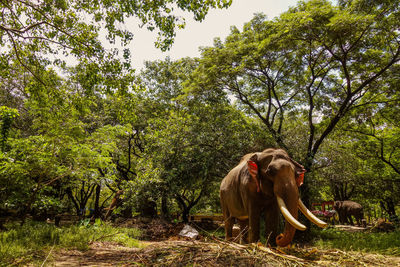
[311, 216]
[295, 223]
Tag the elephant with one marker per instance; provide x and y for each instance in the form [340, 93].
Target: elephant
[266, 182]
[346, 209]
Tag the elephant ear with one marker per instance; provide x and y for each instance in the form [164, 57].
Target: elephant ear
[253, 170]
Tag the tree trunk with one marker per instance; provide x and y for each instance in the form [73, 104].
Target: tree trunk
[184, 208]
[164, 207]
[388, 206]
[185, 215]
[116, 201]
[305, 189]
[304, 236]
[96, 213]
[82, 207]
[71, 197]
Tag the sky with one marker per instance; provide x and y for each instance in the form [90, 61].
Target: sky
[199, 34]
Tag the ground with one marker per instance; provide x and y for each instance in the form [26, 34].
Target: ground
[166, 248]
[203, 253]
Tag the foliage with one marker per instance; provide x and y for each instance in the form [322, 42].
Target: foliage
[28, 167]
[376, 145]
[320, 80]
[30, 30]
[7, 116]
[338, 174]
[60, 147]
[189, 162]
[309, 64]
[201, 140]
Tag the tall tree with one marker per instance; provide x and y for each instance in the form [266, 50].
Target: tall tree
[315, 63]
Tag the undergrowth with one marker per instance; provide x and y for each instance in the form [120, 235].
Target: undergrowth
[382, 243]
[34, 240]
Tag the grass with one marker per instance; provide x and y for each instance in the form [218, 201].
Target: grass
[33, 241]
[381, 243]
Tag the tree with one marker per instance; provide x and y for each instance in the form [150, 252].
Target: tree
[338, 170]
[377, 128]
[53, 152]
[193, 150]
[32, 163]
[376, 131]
[200, 141]
[32, 31]
[315, 63]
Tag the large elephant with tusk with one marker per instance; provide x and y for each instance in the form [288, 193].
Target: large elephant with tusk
[265, 182]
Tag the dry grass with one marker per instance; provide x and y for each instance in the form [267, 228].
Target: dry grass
[215, 252]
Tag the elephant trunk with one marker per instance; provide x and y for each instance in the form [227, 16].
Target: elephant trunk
[286, 237]
[291, 223]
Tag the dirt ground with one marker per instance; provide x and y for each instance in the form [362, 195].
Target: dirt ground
[164, 247]
[203, 253]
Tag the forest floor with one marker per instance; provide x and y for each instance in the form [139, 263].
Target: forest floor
[164, 247]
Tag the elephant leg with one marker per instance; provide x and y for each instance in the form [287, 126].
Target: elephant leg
[271, 217]
[361, 215]
[228, 223]
[345, 219]
[254, 224]
[350, 219]
[228, 228]
[358, 219]
[342, 218]
[244, 229]
[337, 216]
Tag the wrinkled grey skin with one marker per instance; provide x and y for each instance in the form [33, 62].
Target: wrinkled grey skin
[240, 200]
[349, 208]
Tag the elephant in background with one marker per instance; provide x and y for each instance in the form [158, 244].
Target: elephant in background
[346, 209]
[266, 182]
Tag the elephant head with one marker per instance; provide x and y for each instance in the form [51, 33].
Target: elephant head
[276, 176]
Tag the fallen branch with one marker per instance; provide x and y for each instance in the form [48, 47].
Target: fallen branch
[47, 256]
[268, 250]
[103, 236]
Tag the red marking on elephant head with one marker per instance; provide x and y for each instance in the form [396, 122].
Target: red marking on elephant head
[300, 179]
[253, 170]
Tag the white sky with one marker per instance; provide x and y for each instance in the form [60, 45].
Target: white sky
[197, 34]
